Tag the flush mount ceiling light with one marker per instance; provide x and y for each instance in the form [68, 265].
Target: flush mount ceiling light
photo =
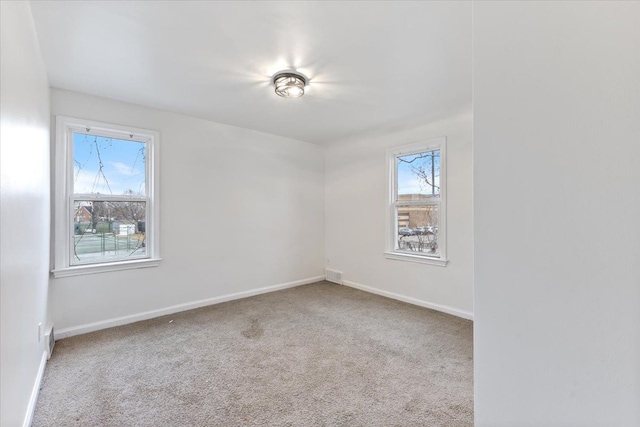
[289, 84]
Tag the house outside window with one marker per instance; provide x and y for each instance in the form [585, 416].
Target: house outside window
[416, 211]
[106, 197]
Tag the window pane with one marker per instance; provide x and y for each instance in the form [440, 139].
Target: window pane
[107, 165]
[419, 176]
[418, 229]
[108, 231]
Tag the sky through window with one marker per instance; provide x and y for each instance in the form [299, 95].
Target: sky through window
[108, 165]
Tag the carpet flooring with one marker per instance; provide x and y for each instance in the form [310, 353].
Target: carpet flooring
[314, 355]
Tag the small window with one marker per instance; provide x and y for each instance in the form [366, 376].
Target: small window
[416, 225]
[106, 200]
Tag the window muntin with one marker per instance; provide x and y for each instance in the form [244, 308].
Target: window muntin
[106, 197]
[416, 203]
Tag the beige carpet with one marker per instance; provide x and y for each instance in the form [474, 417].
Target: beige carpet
[315, 355]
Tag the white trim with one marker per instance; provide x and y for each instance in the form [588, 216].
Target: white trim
[80, 270]
[439, 143]
[31, 407]
[124, 320]
[438, 307]
[421, 259]
[64, 197]
[113, 198]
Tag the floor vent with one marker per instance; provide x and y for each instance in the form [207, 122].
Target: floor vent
[334, 276]
[51, 342]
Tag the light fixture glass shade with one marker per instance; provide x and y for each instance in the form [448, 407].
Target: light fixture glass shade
[289, 85]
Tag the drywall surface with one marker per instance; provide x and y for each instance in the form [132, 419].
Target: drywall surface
[239, 210]
[557, 213]
[216, 60]
[24, 225]
[356, 184]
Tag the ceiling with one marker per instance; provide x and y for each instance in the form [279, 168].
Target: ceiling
[372, 65]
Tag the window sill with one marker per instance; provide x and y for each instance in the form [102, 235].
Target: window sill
[421, 259]
[105, 268]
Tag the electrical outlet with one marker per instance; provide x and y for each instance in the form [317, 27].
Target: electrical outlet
[50, 342]
[39, 331]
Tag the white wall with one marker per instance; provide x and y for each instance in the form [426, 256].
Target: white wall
[239, 210]
[24, 225]
[355, 201]
[557, 213]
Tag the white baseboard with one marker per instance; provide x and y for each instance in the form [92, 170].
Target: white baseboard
[124, 320]
[438, 307]
[31, 407]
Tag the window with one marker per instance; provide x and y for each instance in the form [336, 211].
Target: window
[416, 212]
[106, 197]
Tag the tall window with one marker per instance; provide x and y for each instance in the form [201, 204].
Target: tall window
[106, 200]
[416, 226]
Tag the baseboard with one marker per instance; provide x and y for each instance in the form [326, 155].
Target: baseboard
[124, 320]
[31, 407]
[438, 307]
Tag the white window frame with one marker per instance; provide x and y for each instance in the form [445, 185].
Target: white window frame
[64, 197]
[392, 252]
